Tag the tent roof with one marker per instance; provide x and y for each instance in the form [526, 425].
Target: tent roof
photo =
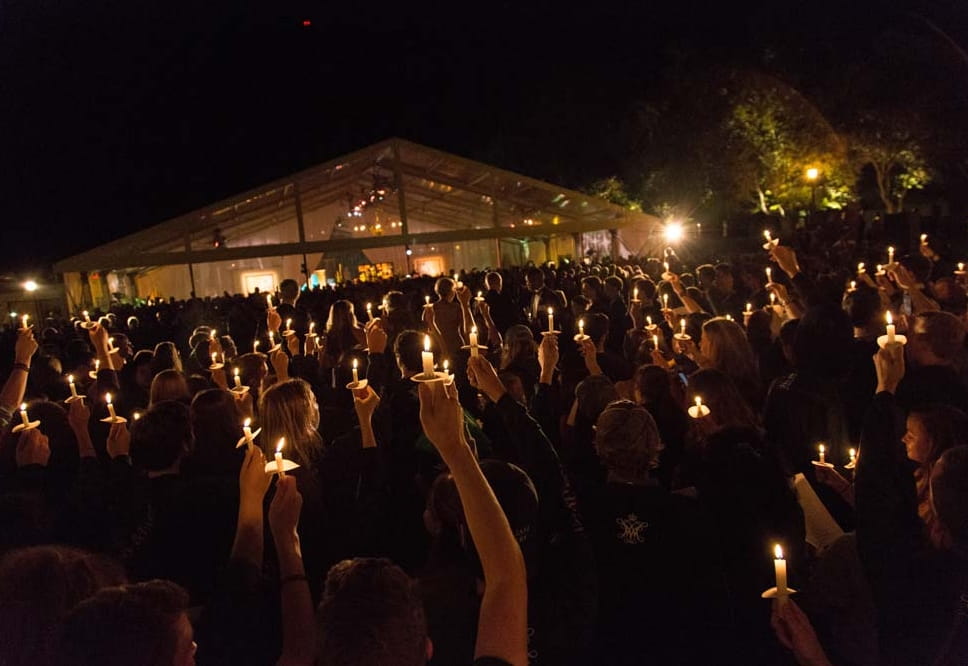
[445, 198]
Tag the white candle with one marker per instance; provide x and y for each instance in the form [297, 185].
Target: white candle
[480, 295]
[255, 346]
[665, 301]
[356, 372]
[779, 565]
[427, 357]
[288, 324]
[474, 342]
[655, 341]
[880, 269]
[581, 327]
[110, 343]
[635, 295]
[853, 456]
[890, 255]
[312, 327]
[23, 415]
[211, 336]
[749, 309]
[26, 317]
[890, 328]
[648, 321]
[280, 469]
[682, 325]
[767, 235]
[924, 239]
[70, 380]
[447, 368]
[772, 298]
[769, 274]
[426, 301]
[87, 317]
[107, 398]
[823, 453]
[860, 268]
[551, 320]
[272, 339]
[853, 285]
[238, 380]
[247, 431]
[369, 310]
[961, 267]
[97, 365]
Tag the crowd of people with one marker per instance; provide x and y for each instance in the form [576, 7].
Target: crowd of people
[601, 464]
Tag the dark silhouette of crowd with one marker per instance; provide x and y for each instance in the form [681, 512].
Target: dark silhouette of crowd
[599, 466]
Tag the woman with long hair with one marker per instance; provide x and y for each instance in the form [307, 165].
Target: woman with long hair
[723, 346]
[168, 385]
[343, 331]
[166, 357]
[216, 427]
[656, 390]
[289, 409]
[519, 355]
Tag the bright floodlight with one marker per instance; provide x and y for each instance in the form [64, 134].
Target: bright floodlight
[813, 173]
[673, 232]
[30, 285]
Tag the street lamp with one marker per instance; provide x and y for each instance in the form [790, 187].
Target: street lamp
[673, 232]
[813, 175]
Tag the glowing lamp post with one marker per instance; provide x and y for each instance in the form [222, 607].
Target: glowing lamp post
[813, 175]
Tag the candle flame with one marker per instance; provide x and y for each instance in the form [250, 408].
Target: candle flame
[446, 365]
[213, 334]
[288, 323]
[356, 364]
[889, 318]
[23, 406]
[581, 323]
[107, 398]
[214, 357]
[369, 306]
[860, 267]
[698, 401]
[648, 320]
[247, 423]
[236, 372]
[136, 415]
[551, 310]
[426, 343]
[280, 445]
[778, 551]
[480, 294]
[766, 234]
[853, 453]
[822, 448]
[70, 379]
[474, 330]
[924, 237]
[427, 300]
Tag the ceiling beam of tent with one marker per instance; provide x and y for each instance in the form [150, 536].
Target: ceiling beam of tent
[140, 259]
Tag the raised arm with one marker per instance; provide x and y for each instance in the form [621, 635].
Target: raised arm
[502, 631]
[13, 390]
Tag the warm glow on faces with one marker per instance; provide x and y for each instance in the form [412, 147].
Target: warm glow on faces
[917, 441]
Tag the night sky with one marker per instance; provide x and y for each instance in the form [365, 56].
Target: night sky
[118, 115]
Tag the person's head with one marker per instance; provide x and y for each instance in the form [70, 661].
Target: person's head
[494, 281]
[216, 427]
[613, 287]
[342, 316]
[937, 338]
[168, 385]
[727, 407]
[142, 623]
[371, 614]
[444, 287]
[289, 409]
[788, 338]
[579, 306]
[724, 343]
[932, 430]
[142, 369]
[706, 274]
[627, 441]
[950, 295]
[919, 265]
[408, 348]
[253, 371]
[949, 495]
[653, 385]
[39, 586]
[534, 278]
[519, 345]
[863, 306]
[594, 394]
[823, 341]
[514, 386]
[723, 280]
[646, 288]
[166, 357]
[592, 288]
[123, 344]
[162, 437]
[289, 290]
[596, 327]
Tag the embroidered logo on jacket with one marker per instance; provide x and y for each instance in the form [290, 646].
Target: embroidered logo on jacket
[631, 530]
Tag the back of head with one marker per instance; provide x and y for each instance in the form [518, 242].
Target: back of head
[408, 347]
[941, 333]
[627, 440]
[594, 394]
[653, 384]
[168, 385]
[38, 587]
[289, 409]
[444, 287]
[823, 341]
[729, 349]
[162, 436]
[215, 429]
[949, 495]
[596, 326]
[166, 357]
[371, 615]
[289, 289]
[520, 344]
[126, 626]
[863, 306]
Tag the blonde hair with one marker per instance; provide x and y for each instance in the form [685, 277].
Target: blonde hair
[730, 351]
[289, 410]
[168, 385]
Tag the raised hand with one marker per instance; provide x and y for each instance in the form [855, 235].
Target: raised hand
[280, 363]
[548, 356]
[365, 401]
[253, 481]
[285, 508]
[794, 631]
[32, 448]
[25, 347]
[483, 377]
[590, 354]
[889, 363]
[786, 258]
[441, 416]
[119, 440]
[292, 342]
[273, 320]
[78, 415]
[376, 337]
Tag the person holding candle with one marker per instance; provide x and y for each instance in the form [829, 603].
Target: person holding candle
[12, 393]
[450, 316]
[934, 350]
[519, 356]
[343, 334]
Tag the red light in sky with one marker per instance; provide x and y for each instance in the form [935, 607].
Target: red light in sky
[307, 23]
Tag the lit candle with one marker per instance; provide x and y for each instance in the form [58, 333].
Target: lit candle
[581, 327]
[480, 296]
[136, 415]
[769, 274]
[288, 325]
[23, 415]
[682, 325]
[749, 310]
[551, 319]
[97, 365]
[665, 301]
[211, 336]
[924, 239]
[369, 310]
[890, 255]
[426, 301]
[247, 432]
[473, 341]
[427, 357]
[853, 456]
[214, 358]
[772, 299]
[648, 322]
[107, 398]
[961, 267]
[110, 343]
[87, 317]
[356, 372]
[823, 453]
[853, 285]
[238, 380]
[26, 317]
[255, 346]
[860, 268]
[447, 367]
[880, 269]
[890, 328]
[280, 468]
[635, 295]
[767, 235]
[655, 341]
[779, 565]
[665, 265]
[70, 381]
[272, 339]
